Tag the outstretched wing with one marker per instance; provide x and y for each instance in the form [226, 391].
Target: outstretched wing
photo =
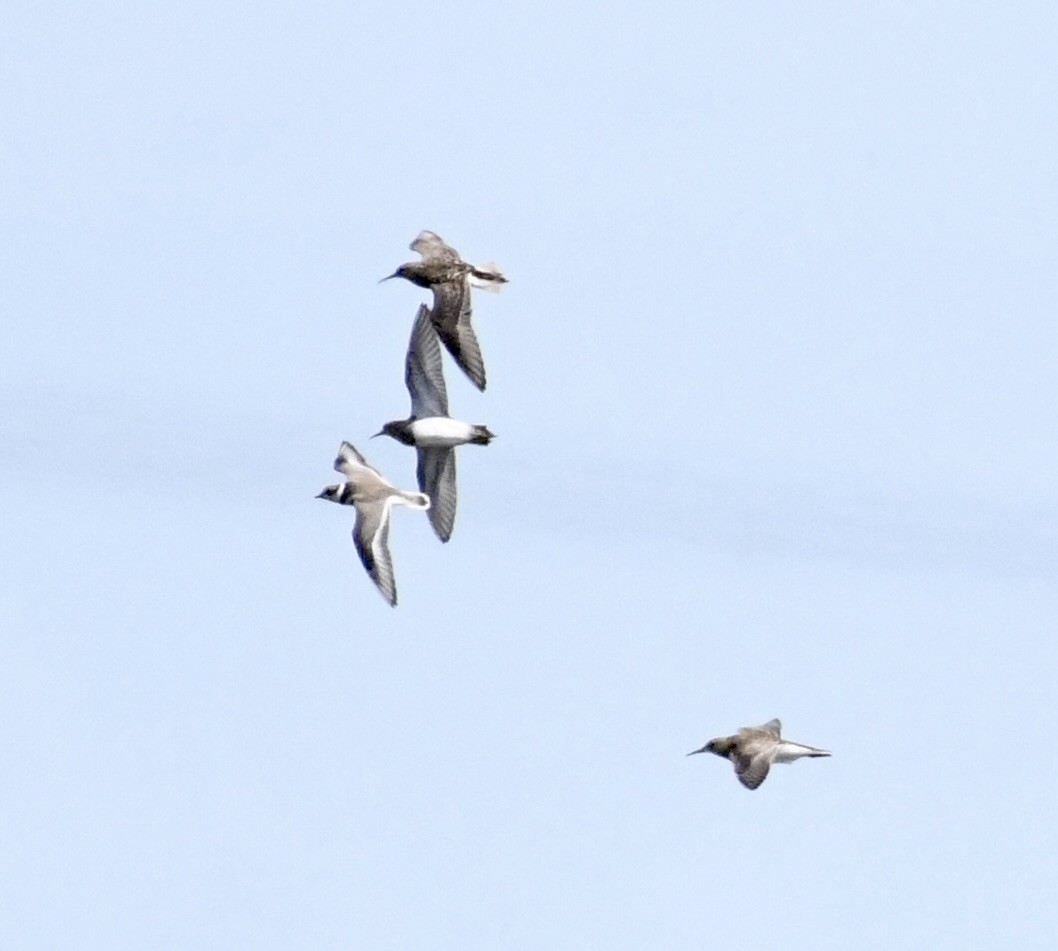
[751, 770]
[351, 464]
[436, 472]
[371, 538]
[774, 727]
[432, 248]
[423, 372]
[451, 317]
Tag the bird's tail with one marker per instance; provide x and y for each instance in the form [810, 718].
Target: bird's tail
[488, 277]
[416, 500]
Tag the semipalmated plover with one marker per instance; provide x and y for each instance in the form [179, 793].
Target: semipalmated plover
[373, 497]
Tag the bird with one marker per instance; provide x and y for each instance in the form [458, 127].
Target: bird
[450, 278]
[754, 748]
[430, 429]
[373, 497]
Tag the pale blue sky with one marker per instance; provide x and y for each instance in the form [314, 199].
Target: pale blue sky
[775, 383]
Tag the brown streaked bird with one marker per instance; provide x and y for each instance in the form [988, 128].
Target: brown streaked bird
[450, 278]
[373, 497]
[753, 749]
[430, 429]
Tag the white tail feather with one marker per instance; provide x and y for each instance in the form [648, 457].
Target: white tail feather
[485, 282]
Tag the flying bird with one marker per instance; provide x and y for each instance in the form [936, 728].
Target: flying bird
[450, 278]
[373, 498]
[754, 748]
[430, 429]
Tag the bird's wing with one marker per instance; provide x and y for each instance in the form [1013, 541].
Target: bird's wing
[774, 727]
[451, 317]
[751, 769]
[423, 372]
[436, 472]
[432, 248]
[351, 464]
[371, 538]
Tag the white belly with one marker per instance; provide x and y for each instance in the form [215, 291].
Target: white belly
[440, 431]
[788, 752]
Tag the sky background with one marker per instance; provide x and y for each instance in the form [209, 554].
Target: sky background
[775, 382]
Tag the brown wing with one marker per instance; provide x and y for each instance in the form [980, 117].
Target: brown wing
[432, 248]
[371, 538]
[351, 464]
[451, 318]
[751, 770]
[774, 727]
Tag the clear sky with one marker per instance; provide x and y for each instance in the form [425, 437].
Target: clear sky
[775, 381]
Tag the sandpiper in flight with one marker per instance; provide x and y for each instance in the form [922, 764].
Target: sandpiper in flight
[450, 278]
[754, 748]
[374, 498]
[430, 429]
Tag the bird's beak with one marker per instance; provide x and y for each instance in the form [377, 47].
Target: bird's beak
[388, 277]
[704, 749]
[321, 495]
[381, 432]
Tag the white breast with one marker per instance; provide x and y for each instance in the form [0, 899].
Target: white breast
[440, 431]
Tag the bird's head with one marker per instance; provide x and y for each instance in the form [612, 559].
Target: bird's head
[332, 493]
[413, 272]
[397, 429]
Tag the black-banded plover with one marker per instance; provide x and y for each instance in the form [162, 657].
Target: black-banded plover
[450, 278]
[430, 429]
[373, 498]
[754, 748]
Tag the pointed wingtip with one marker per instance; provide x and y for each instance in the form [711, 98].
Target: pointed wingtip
[472, 374]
